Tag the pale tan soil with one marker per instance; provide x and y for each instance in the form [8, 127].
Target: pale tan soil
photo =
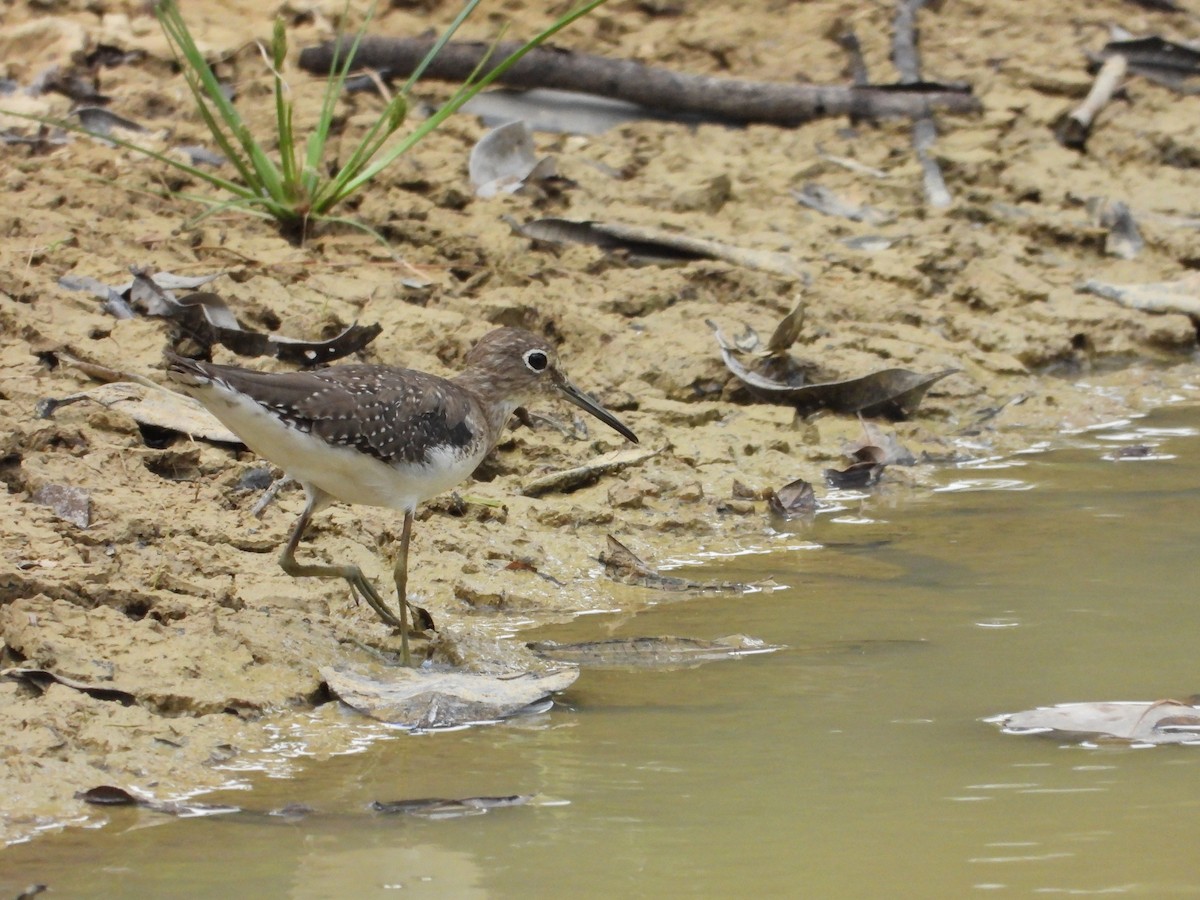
[173, 593]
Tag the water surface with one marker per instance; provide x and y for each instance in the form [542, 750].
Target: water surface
[854, 764]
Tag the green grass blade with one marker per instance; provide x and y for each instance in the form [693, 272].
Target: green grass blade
[442, 41]
[461, 96]
[207, 90]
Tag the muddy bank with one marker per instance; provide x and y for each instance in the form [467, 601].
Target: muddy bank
[171, 594]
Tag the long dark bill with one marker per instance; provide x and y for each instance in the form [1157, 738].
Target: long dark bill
[584, 402]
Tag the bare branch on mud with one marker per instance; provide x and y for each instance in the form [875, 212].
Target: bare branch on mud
[908, 63]
[1073, 129]
[714, 99]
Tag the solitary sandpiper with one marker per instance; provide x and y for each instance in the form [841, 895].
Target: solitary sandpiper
[379, 435]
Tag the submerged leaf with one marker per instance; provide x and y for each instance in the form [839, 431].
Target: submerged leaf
[651, 652]
[440, 808]
[622, 565]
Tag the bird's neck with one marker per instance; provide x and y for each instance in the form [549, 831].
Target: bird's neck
[496, 404]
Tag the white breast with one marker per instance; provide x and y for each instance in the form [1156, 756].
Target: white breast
[344, 473]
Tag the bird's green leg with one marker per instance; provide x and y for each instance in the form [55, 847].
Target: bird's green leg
[352, 574]
[400, 573]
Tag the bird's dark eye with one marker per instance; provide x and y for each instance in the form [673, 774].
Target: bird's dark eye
[537, 360]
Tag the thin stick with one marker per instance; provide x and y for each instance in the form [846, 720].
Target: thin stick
[724, 99]
[1074, 128]
[907, 62]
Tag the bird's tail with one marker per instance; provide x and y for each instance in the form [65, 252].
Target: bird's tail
[188, 372]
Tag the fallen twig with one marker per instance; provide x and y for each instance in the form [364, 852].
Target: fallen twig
[724, 99]
[908, 64]
[1072, 130]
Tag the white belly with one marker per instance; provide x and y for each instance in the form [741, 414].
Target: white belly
[344, 473]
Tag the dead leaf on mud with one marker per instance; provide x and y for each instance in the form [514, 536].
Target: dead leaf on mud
[622, 565]
[1180, 296]
[825, 201]
[504, 161]
[109, 795]
[1123, 241]
[653, 246]
[71, 504]
[153, 406]
[568, 480]
[651, 652]
[795, 500]
[440, 808]
[1165, 62]
[41, 679]
[424, 699]
[1136, 722]
[891, 393]
[205, 317]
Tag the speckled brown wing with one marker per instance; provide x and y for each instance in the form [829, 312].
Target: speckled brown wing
[395, 415]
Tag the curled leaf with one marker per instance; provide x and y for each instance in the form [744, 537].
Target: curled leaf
[205, 317]
[794, 500]
[504, 161]
[891, 393]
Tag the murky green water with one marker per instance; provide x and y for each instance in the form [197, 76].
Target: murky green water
[854, 764]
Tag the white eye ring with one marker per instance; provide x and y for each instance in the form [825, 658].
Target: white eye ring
[537, 360]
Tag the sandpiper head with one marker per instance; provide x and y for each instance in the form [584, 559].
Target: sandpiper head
[518, 364]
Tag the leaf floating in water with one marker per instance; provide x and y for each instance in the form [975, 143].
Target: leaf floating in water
[651, 652]
[622, 565]
[794, 500]
[1158, 722]
[892, 393]
[439, 808]
[423, 698]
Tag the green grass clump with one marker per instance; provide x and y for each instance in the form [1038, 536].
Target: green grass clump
[294, 185]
